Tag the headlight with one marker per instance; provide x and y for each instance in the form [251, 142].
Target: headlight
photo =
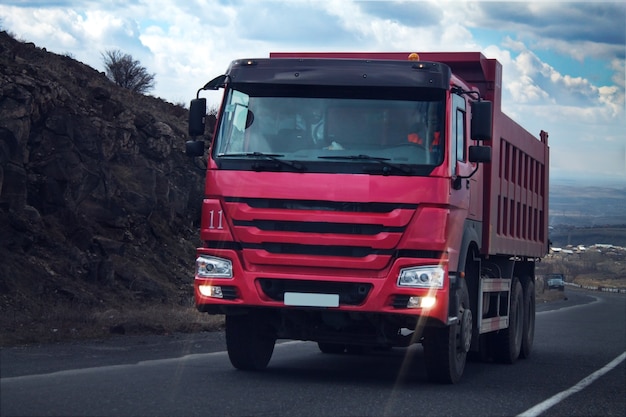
[212, 267]
[214, 291]
[421, 277]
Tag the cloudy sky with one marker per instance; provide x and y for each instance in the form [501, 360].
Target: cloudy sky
[563, 61]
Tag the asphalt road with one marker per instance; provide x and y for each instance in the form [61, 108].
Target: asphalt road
[578, 368]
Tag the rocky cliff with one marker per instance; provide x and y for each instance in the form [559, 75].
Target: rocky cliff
[99, 205]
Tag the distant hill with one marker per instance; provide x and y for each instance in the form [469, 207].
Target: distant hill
[583, 204]
[563, 236]
[583, 212]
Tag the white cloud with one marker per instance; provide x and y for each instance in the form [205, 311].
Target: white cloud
[529, 81]
[618, 65]
[577, 29]
[187, 43]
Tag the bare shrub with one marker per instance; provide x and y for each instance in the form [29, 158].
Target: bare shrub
[127, 72]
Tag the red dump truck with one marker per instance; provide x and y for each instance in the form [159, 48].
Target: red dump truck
[366, 201]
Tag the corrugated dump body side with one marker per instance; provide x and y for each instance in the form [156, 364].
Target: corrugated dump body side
[517, 187]
[515, 182]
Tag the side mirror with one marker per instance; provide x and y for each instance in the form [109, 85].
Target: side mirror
[481, 120]
[194, 148]
[480, 154]
[197, 114]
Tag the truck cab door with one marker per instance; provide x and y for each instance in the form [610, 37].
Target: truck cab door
[464, 190]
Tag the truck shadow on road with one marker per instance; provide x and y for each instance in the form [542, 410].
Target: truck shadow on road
[404, 366]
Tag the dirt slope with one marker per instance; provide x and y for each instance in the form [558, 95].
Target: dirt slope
[99, 206]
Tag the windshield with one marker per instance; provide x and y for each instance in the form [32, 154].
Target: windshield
[339, 125]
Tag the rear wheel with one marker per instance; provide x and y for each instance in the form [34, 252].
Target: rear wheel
[358, 349]
[509, 340]
[529, 319]
[249, 341]
[445, 349]
[332, 348]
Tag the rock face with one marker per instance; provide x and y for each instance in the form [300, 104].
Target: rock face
[98, 202]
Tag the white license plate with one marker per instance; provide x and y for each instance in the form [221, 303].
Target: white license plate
[311, 300]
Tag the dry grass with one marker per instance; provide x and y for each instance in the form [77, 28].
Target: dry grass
[550, 295]
[599, 280]
[67, 324]
[592, 268]
[30, 320]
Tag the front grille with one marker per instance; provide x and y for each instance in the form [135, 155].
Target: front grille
[280, 231]
[349, 293]
[296, 249]
[318, 227]
[336, 206]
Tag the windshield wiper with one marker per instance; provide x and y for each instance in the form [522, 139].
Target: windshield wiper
[386, 169]
[274, 157]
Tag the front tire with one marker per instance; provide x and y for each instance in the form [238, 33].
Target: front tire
[445, 349]
[249, 341]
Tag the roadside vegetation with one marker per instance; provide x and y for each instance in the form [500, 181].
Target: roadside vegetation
[65, 323]
[602, 266]
[127, 72]
[594, 266]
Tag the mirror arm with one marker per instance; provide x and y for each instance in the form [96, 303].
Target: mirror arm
[214, 84]
[464, 177]
[456, 181]
[472, 173]
[460, 91]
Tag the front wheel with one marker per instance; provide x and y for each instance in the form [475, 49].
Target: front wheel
[249, 341]
[445, 349]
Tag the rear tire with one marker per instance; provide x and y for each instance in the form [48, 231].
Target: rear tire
[331, 348]
[445, 349]
[529, 319]
[509, 340]
[358, 349]
[249, 341]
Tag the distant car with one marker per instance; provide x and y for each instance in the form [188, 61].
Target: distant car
[555, 282]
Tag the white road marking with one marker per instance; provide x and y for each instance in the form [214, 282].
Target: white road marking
[585, 382]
